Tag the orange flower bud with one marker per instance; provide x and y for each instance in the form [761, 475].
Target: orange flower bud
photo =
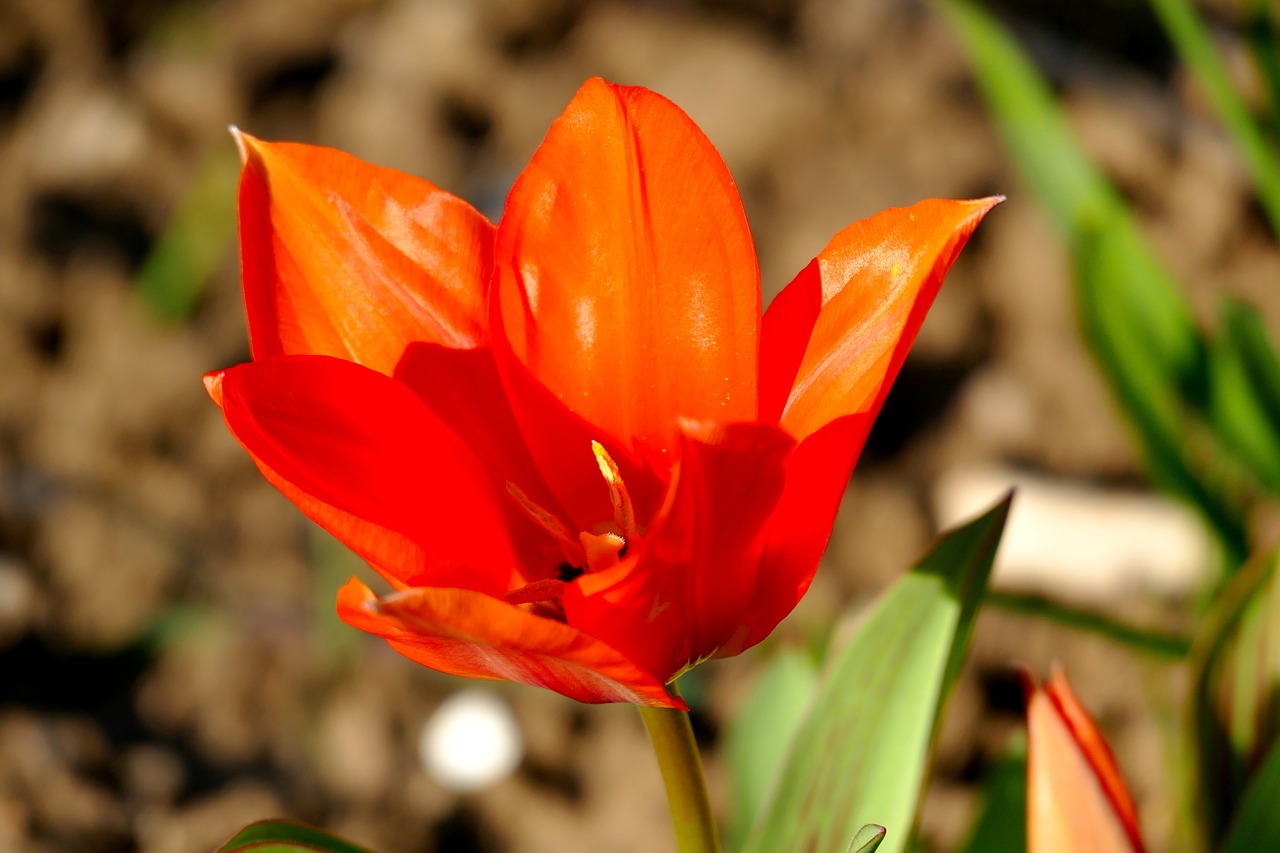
[1076, 799]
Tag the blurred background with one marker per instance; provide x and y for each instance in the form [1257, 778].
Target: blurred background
[170, 668]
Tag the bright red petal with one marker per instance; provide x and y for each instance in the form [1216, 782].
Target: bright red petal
[832, 342]
[687, 589]
[362, 456]
[346, 259]
[817, 472]
[627, 283]
[1075, 797]
[470, 634]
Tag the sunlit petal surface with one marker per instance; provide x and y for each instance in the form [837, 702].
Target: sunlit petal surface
[571, 444]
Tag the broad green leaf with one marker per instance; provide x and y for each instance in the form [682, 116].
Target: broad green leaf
[1001, 826]
[859, 756]
[1194, 43]
[1256, 825]
[175, 272]
[1137, 323]
[867, 839]
[758, 736]
[286, 836]
[1244, 392]
[1236, 672]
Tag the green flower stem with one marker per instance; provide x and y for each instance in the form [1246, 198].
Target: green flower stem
[681, 766]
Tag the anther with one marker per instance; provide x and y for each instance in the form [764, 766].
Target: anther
[623, 513]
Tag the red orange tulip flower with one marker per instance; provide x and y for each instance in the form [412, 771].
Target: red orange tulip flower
[1076, 798]
[570, 443]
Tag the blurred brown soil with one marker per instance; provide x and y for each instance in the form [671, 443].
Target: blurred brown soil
[169, 670]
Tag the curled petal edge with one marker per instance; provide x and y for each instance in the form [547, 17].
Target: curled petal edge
[474, 635]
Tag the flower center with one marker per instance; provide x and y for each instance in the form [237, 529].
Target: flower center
[587, 552]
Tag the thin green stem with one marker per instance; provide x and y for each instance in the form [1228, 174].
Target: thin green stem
[681, 766]
[1155, 643]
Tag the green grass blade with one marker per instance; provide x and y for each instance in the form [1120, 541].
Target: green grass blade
[1244, 399]
[1155, 643]
[1188, 33]
[859, 757]
[1138, 324]
[1256, 826]
[759, 734]
[175, 272]
[286, 836]
[1264, 42]
[1236, 681]
[1001, 826]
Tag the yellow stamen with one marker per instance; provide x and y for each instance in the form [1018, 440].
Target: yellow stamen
[623, 514]
[568, 543]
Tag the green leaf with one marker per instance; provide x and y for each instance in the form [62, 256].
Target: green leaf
[761, 731]
[1236, 679]
[1244, 398]
[1195, 44]
[1264, 44]
[1137, 323]
[1256, 826]
[286, 836]
[175, 272]
[867, 839]
[1148, 641]
[1001, 826]
[859, 756]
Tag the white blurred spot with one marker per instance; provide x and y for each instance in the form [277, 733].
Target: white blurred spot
[1080, 542]
[471, 742]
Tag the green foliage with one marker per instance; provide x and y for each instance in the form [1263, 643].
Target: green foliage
[1244, 393]
[1001, 826]
[1206, 411]
[1264, 44]
[1148, 641]
[1191, 38]
[1136, 321]
[867, 839]
[284, 836]
[859, 756]
[175, 272]
[1256, 825]
[1236, 677]
[760, 732]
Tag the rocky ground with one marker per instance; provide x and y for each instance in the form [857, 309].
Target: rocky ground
[169, 665]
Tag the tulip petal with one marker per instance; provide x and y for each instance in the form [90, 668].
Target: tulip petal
[363, 457]
[817, 472]
[467, 633]
[347, 259]
[627, 284]
[685, 591]
[1076, 798]
[833, 340]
